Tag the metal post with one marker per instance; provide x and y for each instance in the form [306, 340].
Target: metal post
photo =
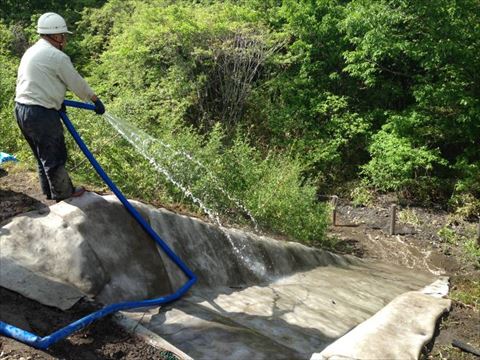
[393, 216]
[334, 211]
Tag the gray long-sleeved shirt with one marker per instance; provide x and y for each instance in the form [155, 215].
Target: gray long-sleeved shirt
[44, 75]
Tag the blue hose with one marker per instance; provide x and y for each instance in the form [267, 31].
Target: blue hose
[45, 342]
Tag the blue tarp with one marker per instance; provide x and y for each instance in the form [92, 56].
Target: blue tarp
[4, 157]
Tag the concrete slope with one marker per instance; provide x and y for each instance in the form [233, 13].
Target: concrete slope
[257, 298]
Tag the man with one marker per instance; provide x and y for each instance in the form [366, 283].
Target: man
[44, 75]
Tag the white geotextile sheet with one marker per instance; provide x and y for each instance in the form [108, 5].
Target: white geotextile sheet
[398, 331]
[36, 286]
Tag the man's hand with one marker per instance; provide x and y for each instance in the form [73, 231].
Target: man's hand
[99, 108]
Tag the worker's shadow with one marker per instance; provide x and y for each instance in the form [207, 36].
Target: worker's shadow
[14, 203]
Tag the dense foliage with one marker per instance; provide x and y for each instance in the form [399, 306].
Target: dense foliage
[272, 102]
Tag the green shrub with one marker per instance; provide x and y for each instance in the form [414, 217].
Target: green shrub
[465, 200]
[10, 136]
[398, 165]
[409, 216]
[361, 196]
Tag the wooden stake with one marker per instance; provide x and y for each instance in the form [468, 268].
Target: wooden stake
[334, 211]
[393, 216]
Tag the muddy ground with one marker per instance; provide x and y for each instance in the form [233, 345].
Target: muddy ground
[363, 231]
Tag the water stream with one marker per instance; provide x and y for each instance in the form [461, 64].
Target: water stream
[167, 160]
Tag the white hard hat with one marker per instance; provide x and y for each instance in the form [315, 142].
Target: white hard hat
[51, 23]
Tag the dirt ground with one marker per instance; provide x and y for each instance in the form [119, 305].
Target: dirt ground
[363, 231]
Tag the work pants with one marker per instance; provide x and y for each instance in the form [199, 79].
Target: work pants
[43, 130]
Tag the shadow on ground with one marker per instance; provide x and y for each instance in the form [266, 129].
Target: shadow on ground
[13, 203]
